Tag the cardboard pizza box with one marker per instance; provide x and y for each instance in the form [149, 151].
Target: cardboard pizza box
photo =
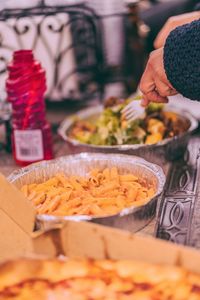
[17, 221]
[84, 239]
[14, 205]
[79, 239]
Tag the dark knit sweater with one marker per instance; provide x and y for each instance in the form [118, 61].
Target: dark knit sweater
[182, 59]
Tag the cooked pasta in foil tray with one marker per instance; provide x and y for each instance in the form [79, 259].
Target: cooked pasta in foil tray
[110, 189]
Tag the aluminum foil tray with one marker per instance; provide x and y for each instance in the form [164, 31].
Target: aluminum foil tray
[132, 219]
[167, 150]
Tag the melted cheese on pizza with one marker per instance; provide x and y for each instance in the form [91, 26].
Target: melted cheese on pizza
[96, 280]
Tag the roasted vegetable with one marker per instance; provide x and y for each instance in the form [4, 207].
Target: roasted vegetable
[153, 138]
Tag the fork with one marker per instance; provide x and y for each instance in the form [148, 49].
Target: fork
[133, 110]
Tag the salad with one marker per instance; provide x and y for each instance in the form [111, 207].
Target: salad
[111, 128]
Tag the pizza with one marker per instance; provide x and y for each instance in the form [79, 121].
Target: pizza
[27, 279]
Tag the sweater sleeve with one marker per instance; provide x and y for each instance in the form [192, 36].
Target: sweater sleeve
[182, 59]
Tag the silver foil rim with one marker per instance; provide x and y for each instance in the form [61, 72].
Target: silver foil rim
[125, 160]
[89, 112]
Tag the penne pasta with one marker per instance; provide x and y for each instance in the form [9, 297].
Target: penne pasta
[101, 193]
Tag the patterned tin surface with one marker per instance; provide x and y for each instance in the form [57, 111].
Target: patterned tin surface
[178, 218]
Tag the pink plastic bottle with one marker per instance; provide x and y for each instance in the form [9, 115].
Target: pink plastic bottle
[26, 85]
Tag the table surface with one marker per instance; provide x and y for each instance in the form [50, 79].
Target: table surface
[177, 220]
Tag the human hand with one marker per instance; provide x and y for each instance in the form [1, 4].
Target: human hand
[154, 83]
[171, 24]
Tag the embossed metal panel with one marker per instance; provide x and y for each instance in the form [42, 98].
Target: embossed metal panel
[177, 218]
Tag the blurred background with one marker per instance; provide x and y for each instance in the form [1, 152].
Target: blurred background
[89, 48]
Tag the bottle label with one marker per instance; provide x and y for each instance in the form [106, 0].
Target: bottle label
[28, 145]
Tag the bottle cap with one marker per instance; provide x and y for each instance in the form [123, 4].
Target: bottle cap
[23, 56]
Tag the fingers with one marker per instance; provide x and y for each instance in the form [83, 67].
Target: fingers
[144, 102]
[154, 83]
[147, 83]
[163, 89]
[152, 97]
[149, 88]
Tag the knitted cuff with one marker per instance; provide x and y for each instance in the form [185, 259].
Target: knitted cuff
[182, 59]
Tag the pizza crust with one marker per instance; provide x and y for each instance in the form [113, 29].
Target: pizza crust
[87, 279]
